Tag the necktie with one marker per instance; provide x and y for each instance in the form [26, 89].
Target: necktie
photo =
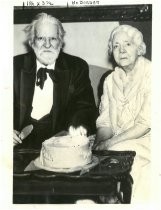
[42, 76]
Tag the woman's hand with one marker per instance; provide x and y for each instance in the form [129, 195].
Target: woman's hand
[16, 138]
[104, 145]
[100, 146]
[103, 136]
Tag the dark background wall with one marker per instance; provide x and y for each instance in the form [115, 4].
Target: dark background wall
[146, 28]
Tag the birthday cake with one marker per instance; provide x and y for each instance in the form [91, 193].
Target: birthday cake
[66, 152]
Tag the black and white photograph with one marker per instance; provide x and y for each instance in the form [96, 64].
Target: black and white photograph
[83, 109]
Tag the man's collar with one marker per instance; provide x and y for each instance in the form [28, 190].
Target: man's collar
[40, 65]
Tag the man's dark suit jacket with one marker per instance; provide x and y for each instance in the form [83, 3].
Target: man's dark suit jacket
[73, 102]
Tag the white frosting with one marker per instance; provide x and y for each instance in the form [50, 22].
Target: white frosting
[67, 141]
[66, 152]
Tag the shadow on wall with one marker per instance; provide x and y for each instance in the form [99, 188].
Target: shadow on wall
[97, 76]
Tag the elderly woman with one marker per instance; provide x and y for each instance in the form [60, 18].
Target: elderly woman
[124, 120]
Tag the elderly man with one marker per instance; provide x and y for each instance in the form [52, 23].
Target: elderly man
[52, 90]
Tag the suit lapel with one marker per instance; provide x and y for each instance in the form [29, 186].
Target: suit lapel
[61, 86]
[28, 76]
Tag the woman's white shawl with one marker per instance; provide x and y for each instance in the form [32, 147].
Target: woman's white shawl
[126, 98]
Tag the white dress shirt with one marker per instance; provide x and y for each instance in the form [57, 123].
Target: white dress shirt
[43, 98]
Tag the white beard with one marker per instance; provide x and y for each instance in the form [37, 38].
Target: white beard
[47, 57]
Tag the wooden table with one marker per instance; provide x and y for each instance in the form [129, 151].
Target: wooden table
[110, 176]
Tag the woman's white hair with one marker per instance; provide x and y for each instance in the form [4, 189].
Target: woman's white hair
[134, 33]
[41, 17]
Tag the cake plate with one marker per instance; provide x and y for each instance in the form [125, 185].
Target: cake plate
[85, 168]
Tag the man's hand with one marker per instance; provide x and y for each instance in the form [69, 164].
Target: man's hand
[79, 131]
[19, 136]
[16, 138]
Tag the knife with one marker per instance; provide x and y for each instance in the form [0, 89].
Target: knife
[26, 131]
